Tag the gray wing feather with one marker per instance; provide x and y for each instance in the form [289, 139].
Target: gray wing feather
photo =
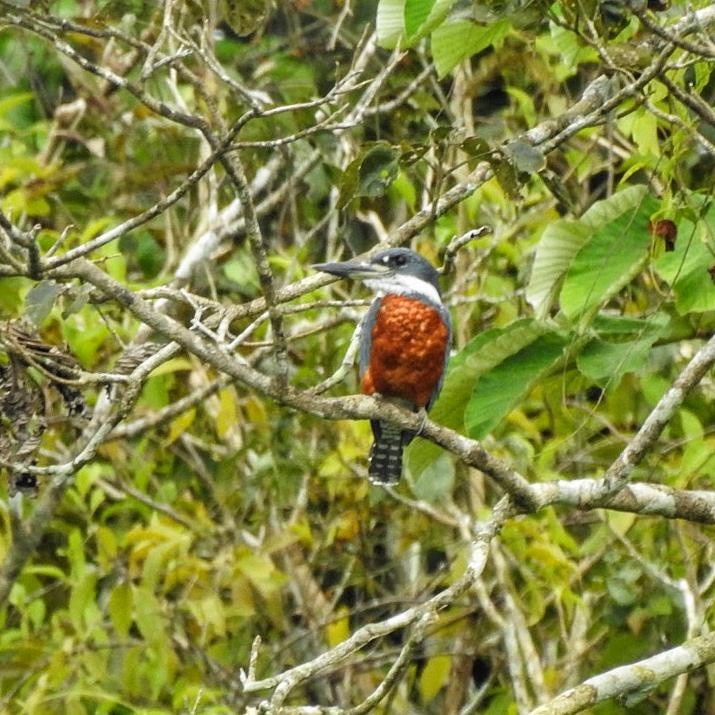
[368, 323]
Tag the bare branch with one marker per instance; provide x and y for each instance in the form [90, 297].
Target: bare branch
[620, 471]
[27, 538]
[286, 681]
[636, 679]
[154, 211]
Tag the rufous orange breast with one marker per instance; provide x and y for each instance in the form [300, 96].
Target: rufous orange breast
[407, 357]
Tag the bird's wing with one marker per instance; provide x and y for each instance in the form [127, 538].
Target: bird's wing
[368, 323]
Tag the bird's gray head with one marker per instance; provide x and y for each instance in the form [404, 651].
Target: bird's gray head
[394, 270]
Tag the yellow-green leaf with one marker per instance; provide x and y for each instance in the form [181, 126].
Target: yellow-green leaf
[338, 629]
[434, 676]
[180, 425]
[226, 417]
[120, 609]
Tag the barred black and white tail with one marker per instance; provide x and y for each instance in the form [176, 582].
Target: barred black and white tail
[386, 453]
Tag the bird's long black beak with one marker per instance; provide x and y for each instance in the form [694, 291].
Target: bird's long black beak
[352, 269]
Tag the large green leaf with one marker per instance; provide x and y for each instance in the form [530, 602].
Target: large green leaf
[607, 210]
[455, 40]
[408, 21]
[624, 327]
[390, 22]
[563, 239]
[416, 13]
[559, 243]
[606, 361]
[422, 16]
[612, 257]
[498, 390]
[482, 353]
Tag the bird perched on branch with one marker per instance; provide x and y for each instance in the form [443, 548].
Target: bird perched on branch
[404, 344]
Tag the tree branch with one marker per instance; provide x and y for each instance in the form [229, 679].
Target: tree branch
[286, 681]
[635, 680]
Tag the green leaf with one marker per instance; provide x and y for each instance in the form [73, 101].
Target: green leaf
[605, 362]
[75, 554]
[572, 52]
[506, 174]
[524, 102]
[11, 292]
[642, 126]
[145, 250]
[180, 425]
[436, 480]
[408, 20]
[120, 609]
[390, 22]
[260, 570]
[455, 40]
[416, 13]
[612, 257]
[422, 16]
[475, 146]
[623, 326]
[434, 676]
[686, 269]
[608, 210]
[498, 390]
[405, 189]
[370, 174]
[155, 563]
[338, 630]
[76, 298]
[559, 243]
[113, 261]
[40, 299]
[11, 101]
[525, 157]
[148, 616]
[482, 353]
[82, 600]
[94, 228]
[85, 334]
[241, 270]
[378, 169]
[21, 201]
[621, 592]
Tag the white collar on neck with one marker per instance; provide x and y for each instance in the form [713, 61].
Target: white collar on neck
[401, 284]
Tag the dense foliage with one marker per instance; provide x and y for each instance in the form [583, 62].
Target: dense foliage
[177, 482]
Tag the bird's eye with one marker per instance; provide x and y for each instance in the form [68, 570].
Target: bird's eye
[400, 260]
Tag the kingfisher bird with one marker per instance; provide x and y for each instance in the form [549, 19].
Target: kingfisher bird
[404, 345]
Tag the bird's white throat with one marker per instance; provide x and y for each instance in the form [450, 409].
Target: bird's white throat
[401, 285]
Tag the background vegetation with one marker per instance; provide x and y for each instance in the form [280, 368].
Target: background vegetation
[185, 458]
